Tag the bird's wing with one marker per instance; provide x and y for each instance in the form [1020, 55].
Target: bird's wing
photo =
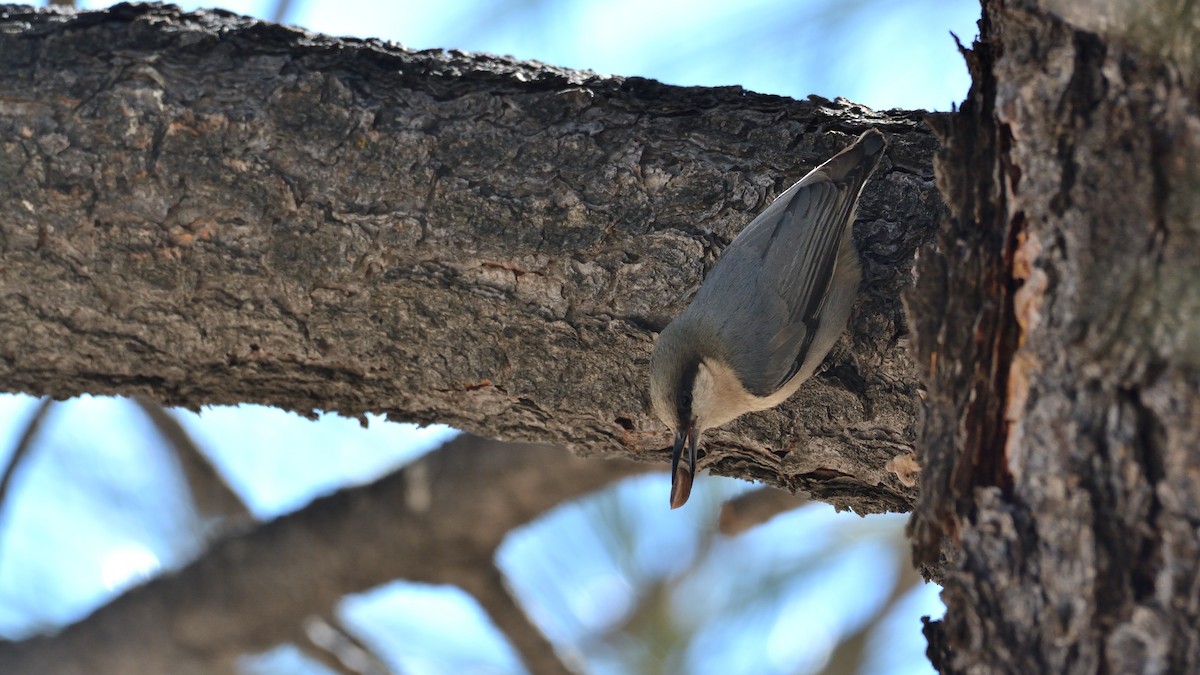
[776, 273]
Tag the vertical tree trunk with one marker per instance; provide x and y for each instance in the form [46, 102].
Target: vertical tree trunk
[1058, 324]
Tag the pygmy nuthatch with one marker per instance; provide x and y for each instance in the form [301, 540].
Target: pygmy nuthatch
[770, 310]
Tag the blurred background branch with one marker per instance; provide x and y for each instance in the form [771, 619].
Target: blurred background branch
[486, 584]
[215, 502]
[28, 434]
[339, 650]
[246, 592]
[754, 508]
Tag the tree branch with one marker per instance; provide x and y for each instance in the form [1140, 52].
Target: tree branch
[339, 650]
[486, 584]
[754, 508]
[251, 592]
[22, 448]
[206, 209]
[214, 500]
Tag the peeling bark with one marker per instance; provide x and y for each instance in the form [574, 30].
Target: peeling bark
[205, 209]
[1057, 323]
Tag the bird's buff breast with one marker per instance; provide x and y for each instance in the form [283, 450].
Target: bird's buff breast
[719, 397]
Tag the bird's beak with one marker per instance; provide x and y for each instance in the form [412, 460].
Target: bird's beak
[681, 476]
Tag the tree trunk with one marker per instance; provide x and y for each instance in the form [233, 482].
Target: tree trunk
[1057, 323]
[205, 209]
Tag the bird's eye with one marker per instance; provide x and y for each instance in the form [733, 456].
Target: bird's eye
[686, 400]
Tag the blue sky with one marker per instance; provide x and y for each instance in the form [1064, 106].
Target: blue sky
[97, 506]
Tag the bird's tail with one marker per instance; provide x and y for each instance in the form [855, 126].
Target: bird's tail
[855, 163]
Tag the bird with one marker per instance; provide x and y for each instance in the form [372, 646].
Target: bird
[768, 312]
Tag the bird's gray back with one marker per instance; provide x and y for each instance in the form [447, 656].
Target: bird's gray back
[762, 301]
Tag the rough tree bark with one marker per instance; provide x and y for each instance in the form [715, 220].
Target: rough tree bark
[204, 209]
[1057, 322]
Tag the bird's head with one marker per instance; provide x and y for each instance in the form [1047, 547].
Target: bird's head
[673, 378]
